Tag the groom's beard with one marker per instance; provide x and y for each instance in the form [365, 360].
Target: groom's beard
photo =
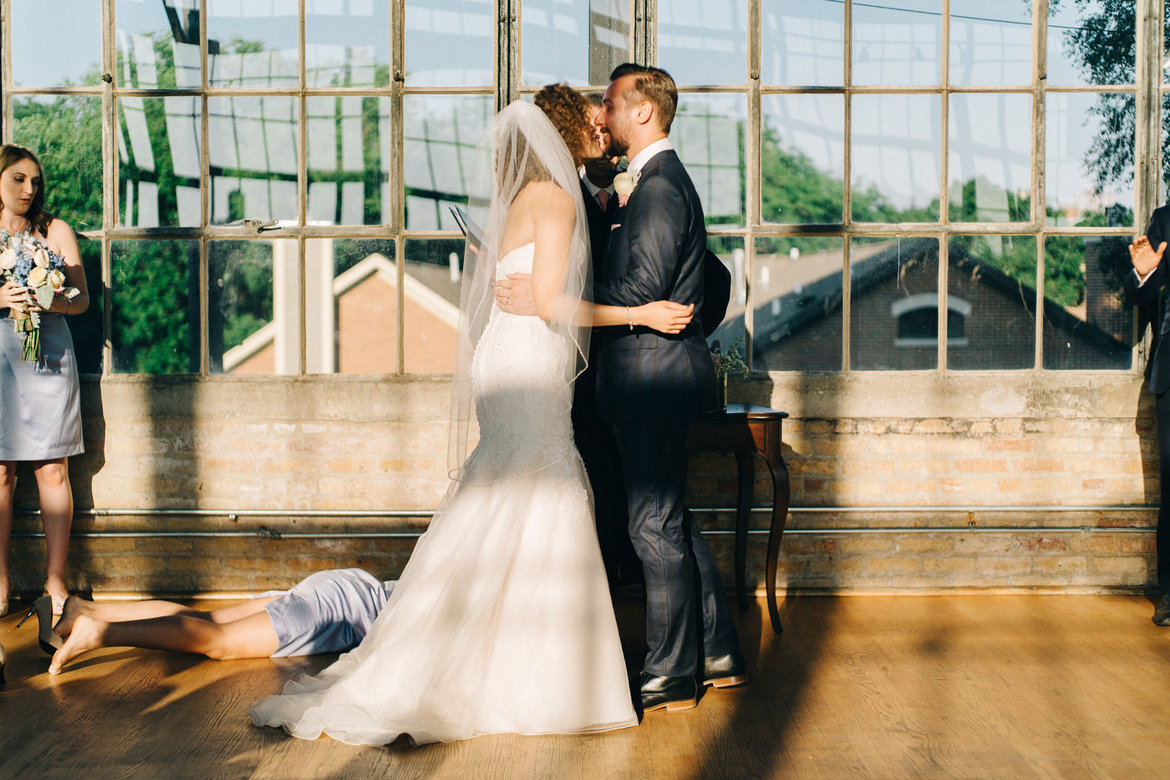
[616, 148]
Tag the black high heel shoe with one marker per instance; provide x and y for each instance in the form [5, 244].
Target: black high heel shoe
[49, 639]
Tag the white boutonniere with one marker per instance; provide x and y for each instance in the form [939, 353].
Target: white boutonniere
[624, 184]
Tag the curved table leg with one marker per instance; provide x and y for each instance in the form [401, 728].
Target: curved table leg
[781, 495]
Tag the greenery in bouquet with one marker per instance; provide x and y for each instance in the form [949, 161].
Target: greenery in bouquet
[728, 361]
[27, 262]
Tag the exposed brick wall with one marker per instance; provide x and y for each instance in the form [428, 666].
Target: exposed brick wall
[971, 444]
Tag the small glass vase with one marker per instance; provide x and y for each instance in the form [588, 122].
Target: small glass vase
[721, 392]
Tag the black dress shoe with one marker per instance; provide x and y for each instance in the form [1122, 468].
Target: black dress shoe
[673, 693]
[724, 671]
[1162, 613]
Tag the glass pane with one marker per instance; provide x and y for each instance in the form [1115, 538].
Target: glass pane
[351, 307]
[991, 303]
[897, 150]
[87, 328]
[708, 133]
[731, 332]
[803, 158]
[894, 308]
[154, 306]
[1087, 323]
[254, 306]
[349, 160]
[253, 152]
[450, 43]
[151, 51]
[797, 297]
[158, 161]
[576, 41]
[431, 305]
[703, 43]
[347, 44]
[803, 43]
[440, 136]
[897, 42]
[252, 44]
[1091, 42]
[990, 158]
[991, 42]
[56, 47]
[66, 133]
[1089, 168]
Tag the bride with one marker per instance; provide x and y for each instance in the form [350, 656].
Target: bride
[501, 620]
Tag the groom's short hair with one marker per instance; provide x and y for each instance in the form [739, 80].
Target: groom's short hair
[653, 84]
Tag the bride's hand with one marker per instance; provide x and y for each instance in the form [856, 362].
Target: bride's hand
[663, 316]
[13, 297]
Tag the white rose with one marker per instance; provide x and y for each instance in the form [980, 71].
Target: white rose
[37, 276]
[8, 259]
[623, 183]
[41, 257]
[56, 279]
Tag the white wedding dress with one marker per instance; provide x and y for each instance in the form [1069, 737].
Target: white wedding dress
[502, 619]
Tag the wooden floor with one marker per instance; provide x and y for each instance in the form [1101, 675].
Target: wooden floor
[966, 686]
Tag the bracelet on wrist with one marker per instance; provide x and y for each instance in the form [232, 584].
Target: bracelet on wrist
[629, 320]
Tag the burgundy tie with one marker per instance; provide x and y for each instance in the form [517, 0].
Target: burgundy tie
[603, 198]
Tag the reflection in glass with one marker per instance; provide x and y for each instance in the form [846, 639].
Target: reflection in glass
[440, 133]
[253, 153]
[1088, 167]
[154, 51]
[1091, 42]
[708, 133]
[154, 306]
[991, 43]
[430, 300]
[802, 149]
[797, 295]
[347, 44]
[158, 161]
[254, 307]
[1087, 324]
[897, 148]
[990, 158]
[450, 43]
[803, 43]
[894, 306]
[991, 302]
[252, 44]
[703, 43]
[579, 41]
[66, 133]
[56, 47]
[349, 160]
[897, 42]
[351, 307]
[732, 332]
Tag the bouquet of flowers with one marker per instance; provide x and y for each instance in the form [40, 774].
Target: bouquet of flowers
[727, 361]
[27, 262]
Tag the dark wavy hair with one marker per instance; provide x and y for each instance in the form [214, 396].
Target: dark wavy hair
[10, 154]
[653, 84]
[568, 109]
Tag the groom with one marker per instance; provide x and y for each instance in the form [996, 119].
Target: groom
[650, 385]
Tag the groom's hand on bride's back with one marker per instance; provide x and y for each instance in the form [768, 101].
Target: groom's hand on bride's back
[514, 295]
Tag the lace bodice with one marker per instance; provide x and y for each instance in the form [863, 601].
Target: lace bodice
[522, 400]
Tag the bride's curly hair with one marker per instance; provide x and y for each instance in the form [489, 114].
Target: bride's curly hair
[569, 111]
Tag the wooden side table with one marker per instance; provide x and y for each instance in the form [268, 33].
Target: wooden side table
[747, 430]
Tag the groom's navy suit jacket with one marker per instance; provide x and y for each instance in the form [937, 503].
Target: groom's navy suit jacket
[655, 252]
[1148, 293]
